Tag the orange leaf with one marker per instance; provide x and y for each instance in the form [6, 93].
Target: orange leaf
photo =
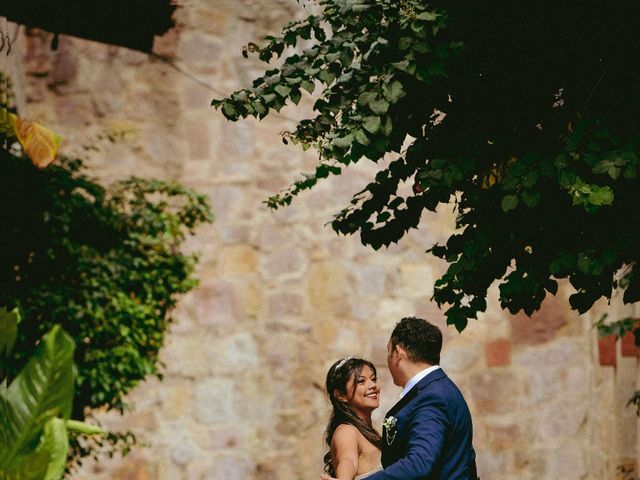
[38, 142]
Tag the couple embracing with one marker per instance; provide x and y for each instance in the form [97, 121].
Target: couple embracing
[427, 435]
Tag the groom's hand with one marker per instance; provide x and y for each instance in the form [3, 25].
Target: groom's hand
[325, 476]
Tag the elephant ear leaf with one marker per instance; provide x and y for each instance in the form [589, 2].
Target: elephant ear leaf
[42, 390]
[55, 442]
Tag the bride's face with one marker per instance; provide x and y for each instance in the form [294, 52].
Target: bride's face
[365, 397]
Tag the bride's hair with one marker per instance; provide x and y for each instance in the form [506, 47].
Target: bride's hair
[337, 378]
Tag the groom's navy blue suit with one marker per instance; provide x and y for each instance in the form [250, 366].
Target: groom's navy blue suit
[433, 434]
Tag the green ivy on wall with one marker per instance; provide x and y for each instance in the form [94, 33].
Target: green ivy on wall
[103, 263]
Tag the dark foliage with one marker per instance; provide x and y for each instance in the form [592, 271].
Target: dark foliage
[523, 114]
[104, 263]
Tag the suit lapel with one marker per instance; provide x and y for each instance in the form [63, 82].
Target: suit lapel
[410, 395]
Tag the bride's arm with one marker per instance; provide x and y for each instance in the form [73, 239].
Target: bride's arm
[344, 452]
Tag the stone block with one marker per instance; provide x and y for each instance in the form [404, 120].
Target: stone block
[561, 421]
[628, 346]
[184, 355]
[231, 467]
[568, 462]
[235, 140]
[199, 136]
[167, 45]
[545, 384]
[496, 392]
[227, 438]
[531, 462]
[199, 48]
[370, 280]
[65, 65]
[458, 358]
[284, 304]
[390, 311]
[567, 351]
[233, 352]
[237, 260]
[416, 280]
[134, 469]
[211, 20]
[269, 236]
[543, 325]
[607, 350]
[227, 201]
[74, 110]
[498, 353]
[376, 347]
[215, 400]
[216, 303]
[283, 264]
[177, 399]
[492, 464]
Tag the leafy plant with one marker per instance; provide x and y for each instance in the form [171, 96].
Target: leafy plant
[523, 116]
[103, 263]
[35, 407]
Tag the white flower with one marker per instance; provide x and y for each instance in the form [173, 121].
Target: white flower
[390, 423]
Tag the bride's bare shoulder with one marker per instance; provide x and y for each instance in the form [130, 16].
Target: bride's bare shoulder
[345, 431]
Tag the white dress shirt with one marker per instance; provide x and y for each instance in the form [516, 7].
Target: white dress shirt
[417, 377]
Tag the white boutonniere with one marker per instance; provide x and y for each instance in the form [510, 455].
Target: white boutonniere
[390, 428]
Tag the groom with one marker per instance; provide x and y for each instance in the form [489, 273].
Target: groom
[427, 435]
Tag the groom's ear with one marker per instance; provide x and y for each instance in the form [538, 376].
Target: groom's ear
[401, 352]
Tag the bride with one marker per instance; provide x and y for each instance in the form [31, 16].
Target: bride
[352, 387]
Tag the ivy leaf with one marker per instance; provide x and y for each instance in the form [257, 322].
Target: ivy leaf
[269, 98]
[404, 43]
[394, 92]
[509, 202]
[530, 179]
[282, 90]
[387, 126]
[308, 86]
[602, 166]
[614, 172]
[601, 196]
[295, 96]
[379, 106]
[365, 97]
[343, 142]
[361, 138]
[530, 198]
[371, 124]
[229, 111]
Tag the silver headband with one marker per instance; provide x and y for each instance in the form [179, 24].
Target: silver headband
[343, 361]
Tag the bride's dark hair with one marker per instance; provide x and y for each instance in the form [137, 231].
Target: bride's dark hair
[337, 378]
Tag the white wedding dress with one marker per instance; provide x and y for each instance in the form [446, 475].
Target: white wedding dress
[365, 475]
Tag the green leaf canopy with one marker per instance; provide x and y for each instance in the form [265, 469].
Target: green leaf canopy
[525, 115]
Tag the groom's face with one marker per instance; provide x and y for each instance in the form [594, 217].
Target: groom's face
[392, 362]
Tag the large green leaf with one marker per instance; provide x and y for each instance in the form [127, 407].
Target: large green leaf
[55, 442]
[48, 460]
[41, 391]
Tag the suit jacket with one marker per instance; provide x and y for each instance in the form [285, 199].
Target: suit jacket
[432, 435]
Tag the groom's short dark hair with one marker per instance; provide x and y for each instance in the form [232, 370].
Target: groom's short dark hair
[421, 340]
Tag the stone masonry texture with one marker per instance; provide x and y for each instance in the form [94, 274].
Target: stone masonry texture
[281, 297]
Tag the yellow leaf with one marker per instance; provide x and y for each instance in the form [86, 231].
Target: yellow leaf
[38, 142]
[490, 179]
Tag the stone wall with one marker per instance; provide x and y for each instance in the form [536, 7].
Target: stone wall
[282, 297]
